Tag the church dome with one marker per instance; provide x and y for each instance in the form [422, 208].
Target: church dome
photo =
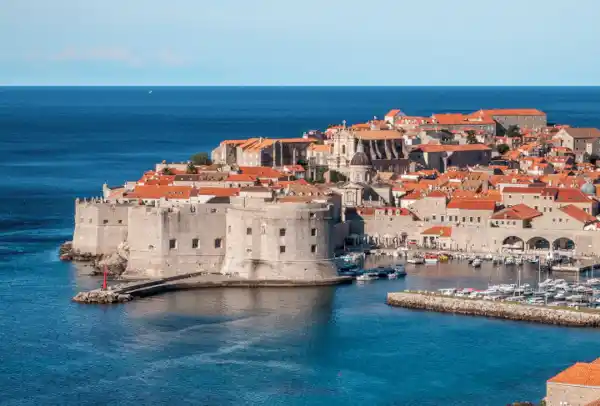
[588, 189]
[360, 158]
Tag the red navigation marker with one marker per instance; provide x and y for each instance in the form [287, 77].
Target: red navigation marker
[105, 277]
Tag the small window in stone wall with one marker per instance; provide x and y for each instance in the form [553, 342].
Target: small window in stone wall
[194, 243]
[104, 221]
[313, 248]
[248, 231]
[313, 232]
[120, 221]
[172, 244]
[282, 232]
[311, 215]
[282, 249]
[218, 243]
[90, 221]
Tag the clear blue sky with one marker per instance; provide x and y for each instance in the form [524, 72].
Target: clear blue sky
[300, 42]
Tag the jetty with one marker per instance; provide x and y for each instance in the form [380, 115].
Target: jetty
[504, 310]
[125, 292]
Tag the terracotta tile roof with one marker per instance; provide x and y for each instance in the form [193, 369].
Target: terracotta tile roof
[594, 403]
[321, 148]
[583, 132]
[392, 113]
[525, 190]
[578, 214]
[414, 195]
[159, 191]
[571, 196]
[511, 112]
[233, 142]
[579, 374]
[437, 193]
[241, 177]
[461, 119]
[472, 204]
[518, 212]
[451, 148]
[440, 231]
[219, 191]
[379, 135]
[261, 172]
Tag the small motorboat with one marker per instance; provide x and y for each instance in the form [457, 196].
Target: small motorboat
[399, 270]
[476, 263]
[415, 261]
[366, 277]
[431, 259]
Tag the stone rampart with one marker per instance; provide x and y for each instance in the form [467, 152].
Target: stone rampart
[503, 310]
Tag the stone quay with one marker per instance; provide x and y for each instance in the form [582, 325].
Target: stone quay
[502, 310]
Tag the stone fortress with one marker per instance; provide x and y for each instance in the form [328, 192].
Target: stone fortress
[252, 236]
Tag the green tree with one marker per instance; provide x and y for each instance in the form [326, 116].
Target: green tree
[167, 171]
[513, 131]
[201, 158]
[335, 177]
[472, 139]
[191, 168]
[502, 149]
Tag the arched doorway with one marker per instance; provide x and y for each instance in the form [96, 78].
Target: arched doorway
[513, 243]
[564, 243]
[538, 243]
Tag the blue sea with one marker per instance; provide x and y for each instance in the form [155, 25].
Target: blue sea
[313, 346]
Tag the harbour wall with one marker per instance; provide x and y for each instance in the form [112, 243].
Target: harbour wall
[502, 310]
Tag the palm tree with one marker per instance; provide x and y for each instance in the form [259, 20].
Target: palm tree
[191, 169]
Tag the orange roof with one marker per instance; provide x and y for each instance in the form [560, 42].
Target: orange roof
[437, 193]
[160, 191]
[441, 231]
[518, 212]
[240, 177]
[320, 148]
[379, 135]
[583, 132]
[579, 374]
[472, 204]
[219, 191]
[392, 113]
[578, 214]
[461, 119]
[452, 148]
[414, 195]
[571, 196]
[261, 171]
[511, 112]
[233, 142]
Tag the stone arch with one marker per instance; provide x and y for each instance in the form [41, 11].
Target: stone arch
[513, 242]
[538, 243]
[564, 243]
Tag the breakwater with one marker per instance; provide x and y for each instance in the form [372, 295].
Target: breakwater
[502, 310]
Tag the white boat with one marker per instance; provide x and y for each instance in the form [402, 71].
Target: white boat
[519, 261]
[447, 292]
[393, 275]
[593, 282]
[415, 260]
[509, 261]
[476, 263]
[489, 257]
[366, 277]
[431, 259]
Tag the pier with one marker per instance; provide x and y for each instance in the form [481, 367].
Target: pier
[503, 310]
[126, 292]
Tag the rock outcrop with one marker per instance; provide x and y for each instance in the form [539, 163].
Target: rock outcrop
[504, 310]
[115, 263]
[99, 296]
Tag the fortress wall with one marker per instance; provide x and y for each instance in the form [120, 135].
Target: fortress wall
[257, 249]
[171, 241]
[99, 226]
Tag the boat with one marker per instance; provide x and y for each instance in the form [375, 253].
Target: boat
[399, 270]
[443, 258]
[366, 277]
[447, 292]
[431, 259]
[518, 261]
[533, 260]
[415, 261]
[509, 261]
[476, 263]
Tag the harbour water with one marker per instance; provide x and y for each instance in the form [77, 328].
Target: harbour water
[338, 345]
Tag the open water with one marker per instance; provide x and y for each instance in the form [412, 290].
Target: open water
[325, 346]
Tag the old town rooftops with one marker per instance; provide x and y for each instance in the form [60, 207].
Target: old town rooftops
[368, 135]
[511, 112]
[583, 374]
[451, 148]
[461, 119]
[517, 212]
[161, 191]
[440, 231]
[472, 204]
[578, 214]
[583, 132]
[219, 191]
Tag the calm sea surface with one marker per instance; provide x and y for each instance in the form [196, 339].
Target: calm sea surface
[326, 346]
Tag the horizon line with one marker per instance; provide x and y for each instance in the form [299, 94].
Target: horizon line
[291, 85]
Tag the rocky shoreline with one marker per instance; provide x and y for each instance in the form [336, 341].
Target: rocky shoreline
[502, 310]
[99, 296]
[115, 263]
